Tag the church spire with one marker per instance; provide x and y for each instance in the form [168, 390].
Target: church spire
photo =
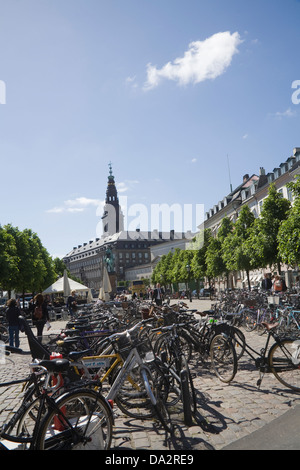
[112, 217]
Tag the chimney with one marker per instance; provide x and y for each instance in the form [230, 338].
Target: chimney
[262, 171]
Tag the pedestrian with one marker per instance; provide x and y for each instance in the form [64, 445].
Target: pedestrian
[158, 294]
[277, 284]
[12, 316]
[40, 314]
[266, 282]
[71, 304]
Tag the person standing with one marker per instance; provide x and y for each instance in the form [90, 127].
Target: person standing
[12, 316]
[277, 285]
[158, 294]
[40, 314]
[266, 283]
[71, 304]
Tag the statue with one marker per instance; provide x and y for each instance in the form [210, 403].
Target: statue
[109, 261]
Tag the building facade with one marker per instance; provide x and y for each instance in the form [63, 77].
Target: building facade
[252, 191]
[118, 250]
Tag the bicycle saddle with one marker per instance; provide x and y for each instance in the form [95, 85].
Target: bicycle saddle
[55, 365]
[269, 326]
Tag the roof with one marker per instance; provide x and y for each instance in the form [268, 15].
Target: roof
[135, 235]
[58, 286]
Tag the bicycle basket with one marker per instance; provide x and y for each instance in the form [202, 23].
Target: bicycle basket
[145, 349]
[124, 346]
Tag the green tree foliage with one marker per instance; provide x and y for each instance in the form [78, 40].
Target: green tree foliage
[26, 265]
[235, 254]
[263, 241]
[216, 265]
[289, 231]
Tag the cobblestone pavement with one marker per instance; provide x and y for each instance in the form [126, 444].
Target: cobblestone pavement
[226, 412]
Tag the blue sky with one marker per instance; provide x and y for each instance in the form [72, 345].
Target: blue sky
[164, 89]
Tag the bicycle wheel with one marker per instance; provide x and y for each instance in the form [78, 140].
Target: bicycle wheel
[238, 341]
[81, 420]
[132, 398]
[284, 362]
[166, 345]
[223, 358]
[4, 335]
[250, 321]
[188, 394]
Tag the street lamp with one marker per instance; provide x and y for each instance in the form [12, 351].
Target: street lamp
[188, 270]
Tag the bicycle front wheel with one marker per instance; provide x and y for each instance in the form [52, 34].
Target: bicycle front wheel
[81, 420]
[284, 362]
[223, 358]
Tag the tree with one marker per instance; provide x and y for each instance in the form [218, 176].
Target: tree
[263, 242]
[8, 260]
[35, 268]
[198, 263]
[289, 231]
[235, 254]
[216, 265]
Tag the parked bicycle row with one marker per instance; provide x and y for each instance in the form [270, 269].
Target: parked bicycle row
[257, 308]
[135, 356]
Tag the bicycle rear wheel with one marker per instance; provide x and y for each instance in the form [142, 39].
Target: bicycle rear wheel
[250, 321]
[188, 394]
[82, 421]
[284, 361]
[223, 358]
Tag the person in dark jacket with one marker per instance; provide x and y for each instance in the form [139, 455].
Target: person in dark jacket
[12, 316]
[158, 295]
[40, 314]
[266, 283]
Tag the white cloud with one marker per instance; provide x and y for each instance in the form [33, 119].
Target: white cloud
[194, 160]
[245, 136]
[79, 204]
[287, 113]
[204, 60]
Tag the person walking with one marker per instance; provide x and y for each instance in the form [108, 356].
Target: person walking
[158, 295]
[71, 304]
[12, 317]
[40, 314]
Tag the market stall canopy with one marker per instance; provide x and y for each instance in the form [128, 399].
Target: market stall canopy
[58, 286]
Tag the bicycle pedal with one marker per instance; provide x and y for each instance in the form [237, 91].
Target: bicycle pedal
[258, 383]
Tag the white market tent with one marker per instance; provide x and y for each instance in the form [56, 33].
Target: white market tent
[59, 287]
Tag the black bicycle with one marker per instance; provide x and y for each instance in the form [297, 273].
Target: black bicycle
[282, 358]
[79, 419]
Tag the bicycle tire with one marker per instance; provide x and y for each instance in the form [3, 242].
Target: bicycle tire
[188, 394]
[162, 346]
[250, 321]
[223, 358]
[4, 334]
[81, 420]
[132, 398]
[163, 415]
[238, 341]
[284, 362]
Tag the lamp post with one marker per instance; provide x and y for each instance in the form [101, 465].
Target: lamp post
[188, 270]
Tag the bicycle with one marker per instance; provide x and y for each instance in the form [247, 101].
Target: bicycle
[132, 385]
[282, 358]
[175, 367]
[78, 419]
